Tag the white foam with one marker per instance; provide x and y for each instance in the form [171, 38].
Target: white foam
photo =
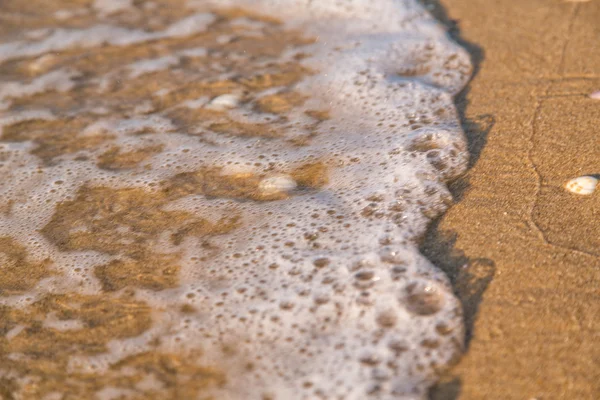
[142, 67]
[195, 52]
[323, 292]
[129, 126]
[197, 103]
[108, 7]
[247, 23]
[62, 39]
[59, 80]
[190, 25]
[13, 118]
[66, 14]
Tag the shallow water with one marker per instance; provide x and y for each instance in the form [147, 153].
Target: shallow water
[224, 200]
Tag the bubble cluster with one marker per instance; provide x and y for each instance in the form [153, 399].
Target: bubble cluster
[212, 200]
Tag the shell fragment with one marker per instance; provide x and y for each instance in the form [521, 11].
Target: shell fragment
[582, 185]
[224, 102]
[277, 184]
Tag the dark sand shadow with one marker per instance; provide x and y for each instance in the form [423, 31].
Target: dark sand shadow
[470, 277]
[476, 129]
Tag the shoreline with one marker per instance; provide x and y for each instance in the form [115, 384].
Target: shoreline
[522, 253]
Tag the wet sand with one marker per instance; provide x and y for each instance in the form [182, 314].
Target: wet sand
[522, 252]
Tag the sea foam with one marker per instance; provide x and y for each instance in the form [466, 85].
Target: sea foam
[269, 218]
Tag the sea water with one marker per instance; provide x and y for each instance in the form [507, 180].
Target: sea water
[224, 199]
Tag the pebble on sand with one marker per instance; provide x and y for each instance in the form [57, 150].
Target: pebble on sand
[277, 184]
[582, 185]
[224, 102]
[595, 95]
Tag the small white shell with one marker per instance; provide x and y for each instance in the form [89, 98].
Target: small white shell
[277, 184]
[595, 95]
[582, 185]
[224, 102]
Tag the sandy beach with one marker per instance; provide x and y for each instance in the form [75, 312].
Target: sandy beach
[101, 132]
[521, 251]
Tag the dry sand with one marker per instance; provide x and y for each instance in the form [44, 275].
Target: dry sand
[524, 253]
